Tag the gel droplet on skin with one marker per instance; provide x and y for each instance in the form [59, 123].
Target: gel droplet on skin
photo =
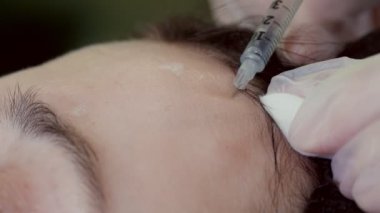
[79, 110]
[176, 68]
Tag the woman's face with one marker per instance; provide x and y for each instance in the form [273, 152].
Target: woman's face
[169, 131]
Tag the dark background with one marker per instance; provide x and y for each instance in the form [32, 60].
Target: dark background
[33, 31]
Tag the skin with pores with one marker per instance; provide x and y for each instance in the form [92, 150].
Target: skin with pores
[170, 132]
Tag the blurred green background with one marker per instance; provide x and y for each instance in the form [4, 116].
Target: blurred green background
[33, 31]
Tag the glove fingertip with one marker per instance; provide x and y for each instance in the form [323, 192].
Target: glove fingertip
[306, 144]
[308, 44]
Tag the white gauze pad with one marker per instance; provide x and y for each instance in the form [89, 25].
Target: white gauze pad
[287, 91]
[283, 109]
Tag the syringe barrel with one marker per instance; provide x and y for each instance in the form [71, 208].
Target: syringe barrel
[269, 33]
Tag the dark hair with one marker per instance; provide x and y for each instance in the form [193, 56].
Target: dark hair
[231, 41]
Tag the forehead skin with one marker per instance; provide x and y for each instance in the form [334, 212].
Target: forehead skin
[170, 132]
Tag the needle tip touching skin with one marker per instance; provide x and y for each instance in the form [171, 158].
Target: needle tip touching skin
[245, 74]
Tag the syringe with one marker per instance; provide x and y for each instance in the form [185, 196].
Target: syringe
[265, 40]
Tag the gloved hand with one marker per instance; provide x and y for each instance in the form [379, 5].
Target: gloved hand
[319, 30]
[340, 119]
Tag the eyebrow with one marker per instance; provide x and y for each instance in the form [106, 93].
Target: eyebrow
[35, 119]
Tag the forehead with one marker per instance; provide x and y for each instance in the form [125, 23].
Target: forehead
[122, 83]
[137, 61]
[150, 108]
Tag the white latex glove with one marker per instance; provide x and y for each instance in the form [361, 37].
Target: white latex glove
[339, 118]
[319, 30]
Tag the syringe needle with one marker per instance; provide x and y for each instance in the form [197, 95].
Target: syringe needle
[245, 74]
[247, 71]
[264, 42]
